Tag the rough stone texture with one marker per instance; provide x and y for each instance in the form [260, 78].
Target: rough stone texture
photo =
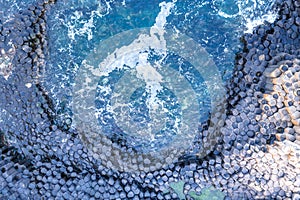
[258, 157]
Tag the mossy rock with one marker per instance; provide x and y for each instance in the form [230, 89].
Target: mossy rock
[206, 194]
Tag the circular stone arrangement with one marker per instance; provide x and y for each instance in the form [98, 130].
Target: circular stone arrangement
[115, 75]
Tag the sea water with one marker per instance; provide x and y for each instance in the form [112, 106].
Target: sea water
[150, 114]
[74, 28]
[135, 92]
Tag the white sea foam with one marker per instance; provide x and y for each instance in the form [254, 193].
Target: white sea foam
[84, 27]
[138, 61]
[252, 13]
[252, 23]
[135, 57]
